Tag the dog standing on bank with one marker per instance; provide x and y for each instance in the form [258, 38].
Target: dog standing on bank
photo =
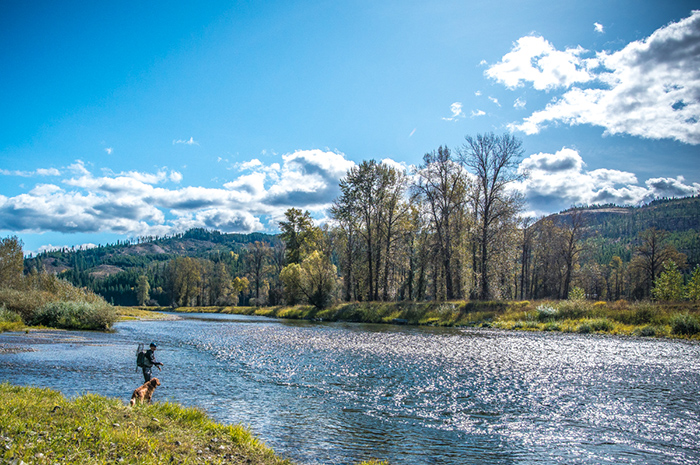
[144, 393]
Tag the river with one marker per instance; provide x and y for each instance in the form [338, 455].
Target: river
[336, 393]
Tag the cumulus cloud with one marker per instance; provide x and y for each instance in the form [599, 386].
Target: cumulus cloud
[650, 88]
[140, 203]
[457, 113]
[598, 28]
[559, 180]
[534, 59]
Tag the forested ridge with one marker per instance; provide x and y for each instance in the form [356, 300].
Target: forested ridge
[450, 230]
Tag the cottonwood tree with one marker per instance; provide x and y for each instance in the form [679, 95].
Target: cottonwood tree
[143, 290]
[314, 280]
[493, 160]
[441, 188]
[571, 231]
[299, 234]
[11, 262]
[184, 280]
[650, 256]
[669, 285]
[369, 210]
[257, 259]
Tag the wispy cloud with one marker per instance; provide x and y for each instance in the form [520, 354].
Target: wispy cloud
[648, 89]
[412, 132]
[598, 28]
[31, 174]
[457, 113]
[109, 150]
[476, 113]
[519, 103]
[190, 141]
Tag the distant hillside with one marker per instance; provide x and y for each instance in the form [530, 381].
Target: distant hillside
[112, 270]
[613, 230]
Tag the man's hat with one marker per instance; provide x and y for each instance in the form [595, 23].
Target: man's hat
[153, 344]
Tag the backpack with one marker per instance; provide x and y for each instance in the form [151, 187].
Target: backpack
[140, 356]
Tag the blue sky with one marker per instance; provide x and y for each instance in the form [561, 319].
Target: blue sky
[148, 118]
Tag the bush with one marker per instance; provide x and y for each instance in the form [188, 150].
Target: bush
[75, 315]
[546, 312]
[685, 324]
[601, 324]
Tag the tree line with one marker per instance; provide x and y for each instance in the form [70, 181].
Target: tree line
[451, 228]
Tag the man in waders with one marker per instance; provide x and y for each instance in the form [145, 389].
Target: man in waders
[149, 362]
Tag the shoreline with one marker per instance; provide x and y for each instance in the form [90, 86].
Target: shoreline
[621, 318]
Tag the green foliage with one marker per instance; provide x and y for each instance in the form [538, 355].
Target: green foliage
[75, 315]
[685, 325]
[11, 261]
[669, 285]
[577, 294]
[546, 312]
[42, 426]
[314, 280]
[692, 292]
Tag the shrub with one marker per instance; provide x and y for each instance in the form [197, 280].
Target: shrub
[9, 320]
[584, 328]
[601, 324]
[546, 312]
[75, 315]
[647, 331]
[685, 324]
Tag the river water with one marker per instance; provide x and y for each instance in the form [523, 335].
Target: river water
[334, 393]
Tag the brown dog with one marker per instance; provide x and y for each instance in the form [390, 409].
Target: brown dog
[144, 393]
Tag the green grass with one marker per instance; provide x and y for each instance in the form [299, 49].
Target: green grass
[40, 425]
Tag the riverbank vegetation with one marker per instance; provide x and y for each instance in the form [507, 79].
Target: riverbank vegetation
[43, 299]
[646, 319]
[42, 426]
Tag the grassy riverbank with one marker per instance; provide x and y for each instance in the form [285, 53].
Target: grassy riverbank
[649, 319]
[42, 426]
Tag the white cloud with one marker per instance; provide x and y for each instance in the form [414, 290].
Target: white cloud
[533, 59]
[30, 174]
[476, 113]
[139, 203]
[598, 28]
[109, 150]
[519, 103]
[494, 100]
[457, 113]
[559, 180]
[190, 141]
[412, 132]
[175, 177]
[649, 89]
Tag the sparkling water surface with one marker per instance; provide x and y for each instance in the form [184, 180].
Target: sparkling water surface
[335, 393]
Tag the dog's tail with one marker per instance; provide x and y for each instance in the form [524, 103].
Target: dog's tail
[132, 402]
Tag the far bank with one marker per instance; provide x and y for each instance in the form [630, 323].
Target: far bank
[646, 319]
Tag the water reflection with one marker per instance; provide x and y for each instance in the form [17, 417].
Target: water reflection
[341, 393]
